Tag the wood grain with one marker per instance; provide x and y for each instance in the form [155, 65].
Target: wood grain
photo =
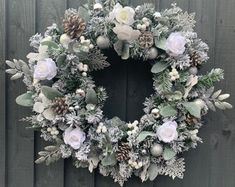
[211, 164]
[20, 142]
[2, 94]
[48, 12]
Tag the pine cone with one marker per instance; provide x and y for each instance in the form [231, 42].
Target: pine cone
[123, 151]
[146, 40]
[191, 120]
[195, 59]
[74, 25]
[59, 106]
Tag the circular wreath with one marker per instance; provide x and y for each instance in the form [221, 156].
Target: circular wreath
[67, 105]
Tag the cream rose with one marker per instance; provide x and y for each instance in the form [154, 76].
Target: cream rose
[123, 15]
[74, 137]
[167, 132]
[45, 69]
[125, 32]
[175, 44]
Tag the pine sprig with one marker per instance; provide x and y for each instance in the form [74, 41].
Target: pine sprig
[208, 80]
[162, 82]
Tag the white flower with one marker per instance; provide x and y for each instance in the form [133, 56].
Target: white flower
[167, 132]
[125, 32]
[74, 137]
[45, 69]
[157, 15]
[123, 15]
[175, 44]
[97, 6]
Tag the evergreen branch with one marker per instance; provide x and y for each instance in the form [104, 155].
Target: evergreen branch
[208, 80]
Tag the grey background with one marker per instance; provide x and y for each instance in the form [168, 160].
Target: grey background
[211, 165]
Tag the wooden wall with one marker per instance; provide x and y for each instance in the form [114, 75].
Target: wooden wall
[211, 165]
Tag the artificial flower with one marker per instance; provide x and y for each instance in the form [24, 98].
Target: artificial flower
[175, 44]
[167, 132]
[123, 15]
[74, 137]
[125, 32]
[45, 69]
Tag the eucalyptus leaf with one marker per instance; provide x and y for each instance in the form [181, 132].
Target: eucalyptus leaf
[109, 160]
[91, 97]
[61, 60]
[168, 153]
[143, 135]
[50, 93]
[84, 12]
[25, 99]
[168, 111]
[159, 67]
[193, 109]
[126, 51]
[160, 43]
[153, 171]
[50, 44]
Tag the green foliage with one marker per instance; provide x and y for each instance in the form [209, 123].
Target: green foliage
[168, 111]
[168, 153]
[158, 67]
[91, 97]
[50, 155]
[208, 80]
[143, 135]
[109, 160]
[25, 99]
[51, 93]
[162, 82]
[193, 109]
[160, 43]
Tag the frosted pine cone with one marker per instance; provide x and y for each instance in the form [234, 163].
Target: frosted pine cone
[123, 151]
[195, 59]
[146, 40]
[59, 106]
[74, 25]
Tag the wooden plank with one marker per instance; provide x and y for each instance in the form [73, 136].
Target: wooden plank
[20, 142]
[114, 79]
[222, 170]
[2, 95]
[48, 12]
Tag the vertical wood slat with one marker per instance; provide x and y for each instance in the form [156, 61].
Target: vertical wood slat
[2, 95]
[20, 142]
[77, 176]
[48, 12]
[222, 170]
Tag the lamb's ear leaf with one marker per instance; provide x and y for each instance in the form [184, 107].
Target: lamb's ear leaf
[50, 44]
[50, 93]
[158, 67]
[91, 96]
[168, 111]
[193, 109]
[25, 99]
[168, 153]
[109, 160]
[160, 43]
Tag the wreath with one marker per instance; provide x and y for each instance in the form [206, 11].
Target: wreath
[67, 105]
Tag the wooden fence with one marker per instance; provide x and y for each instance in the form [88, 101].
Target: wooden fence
[211, 165]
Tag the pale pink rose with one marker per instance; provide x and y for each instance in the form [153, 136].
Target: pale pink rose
[74, 137]
[175, 44]
[167, 132]
[45, 69]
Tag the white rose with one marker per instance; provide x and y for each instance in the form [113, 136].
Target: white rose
[125, 32]
[45, 69]
[74, 137]
[124, 15]
[167, 132]
[175, 44]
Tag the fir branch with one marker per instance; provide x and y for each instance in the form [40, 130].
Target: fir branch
[208, 80]
[162, 82]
